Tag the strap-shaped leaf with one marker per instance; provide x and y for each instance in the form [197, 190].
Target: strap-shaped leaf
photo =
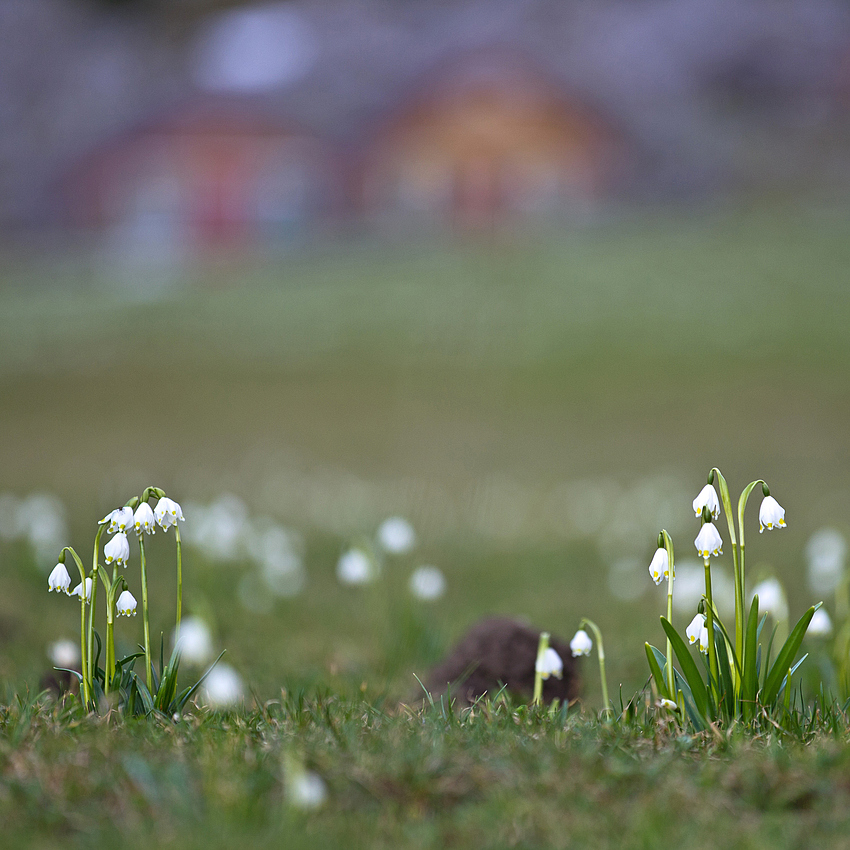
[786, 657]
[689, 669]
[750, 678]
[655, 669]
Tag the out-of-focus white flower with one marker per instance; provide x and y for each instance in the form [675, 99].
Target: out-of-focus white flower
[820, 625]
[356, 567]
[550, 664]
[659, 567]
[708, 541]
[167, 513]
[59, 580]
[693, 631]
[771, 514]
[703, 640]
[223, 687]
[118, 550]
[427, 583]
[41, 521]
[64, 653]
[305, 789]
[771, 598]
[78, 590]
[143, 519]
[690, 587]
[396, 535]
[825, 553]
[581, 644]
[126, 604]
[707, 498]
[194, 641]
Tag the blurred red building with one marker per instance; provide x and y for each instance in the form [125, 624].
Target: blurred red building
[489, 139]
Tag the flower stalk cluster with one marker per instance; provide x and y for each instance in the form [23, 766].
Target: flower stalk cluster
[738, 677]
[137, 518]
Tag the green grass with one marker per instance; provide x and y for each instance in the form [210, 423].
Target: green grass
[500, 776]
[485, 391]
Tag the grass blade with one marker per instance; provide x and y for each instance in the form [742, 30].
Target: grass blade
[689, 670]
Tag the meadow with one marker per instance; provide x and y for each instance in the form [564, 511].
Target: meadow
[538, 407]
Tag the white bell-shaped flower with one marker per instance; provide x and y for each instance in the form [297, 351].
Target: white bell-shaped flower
[144, 520]
[693, 631]
[78, 590]
[549, 664]
[703, 640]
[126, 604]
[118, 550]
[771, 514]
[659, 567]
[707, 498]
[820, 625]
[167, 513]
[708, 541]
[59, 580]
[581, 644]
[121, 519]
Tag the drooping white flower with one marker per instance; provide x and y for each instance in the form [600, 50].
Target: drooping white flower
[693, 631]
[121, 519]
[427, 583]
[78, 590]
[659, 567]
[64, 653]
[356, 567]
[707, 498]
[667, 704]
[771, 514]
[59, 580]
[581, 644]
[167, 513]
[820, 625]
[143, 519]
[194, 641]
[708, 541]
[396, 535]
[223, 687]
[772, 598]
[703, 640]
[126, 604]
[550, 664]
[118, 550]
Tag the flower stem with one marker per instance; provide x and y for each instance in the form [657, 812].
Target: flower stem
[145, 619]
[709, 625]
[668, 545]
[92, 604]
[542, 646]
[179, 578]
[600, 651]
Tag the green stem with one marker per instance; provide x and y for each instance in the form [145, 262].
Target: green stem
[709, 625]
[110, 631]
[740, 573]
[668, 545]
[92, 604]
[600, 651]
[179, 578]
[542, 646]
[84, 685]
[726, 501]
[145, 619]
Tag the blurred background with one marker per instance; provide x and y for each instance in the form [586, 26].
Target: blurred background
[515, 273]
